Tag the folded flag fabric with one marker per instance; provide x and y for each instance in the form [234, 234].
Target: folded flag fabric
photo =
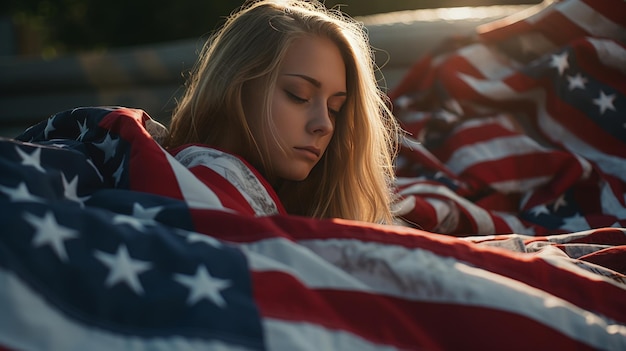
[110, 242]
[521, 128]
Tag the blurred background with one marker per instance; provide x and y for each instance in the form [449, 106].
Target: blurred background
[48, 28]
[60, 54]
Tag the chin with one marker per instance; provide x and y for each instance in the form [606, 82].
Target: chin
[298, 177]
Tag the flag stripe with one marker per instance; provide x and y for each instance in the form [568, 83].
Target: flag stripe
[295, 335]
[50, 329]
[590, 18]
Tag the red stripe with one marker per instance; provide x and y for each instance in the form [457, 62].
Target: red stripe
[562, 168]
[145, 155]
[423, 215]
[500, 225]
[521, 82]
[504, 29]
[376, 318]
[602, 236]
[559, 29]
[469, 135]
[416, 156]
[582, 127]
[614, 10]
[598, 296]
[229, 196]
[455, 64]
[499, 202]
[612, 258]
[587, 58]
[416, 75]
[402, 323]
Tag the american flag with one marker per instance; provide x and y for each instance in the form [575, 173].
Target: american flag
[110, 242]
[520, 128]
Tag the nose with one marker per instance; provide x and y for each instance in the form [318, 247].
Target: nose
[320, 122]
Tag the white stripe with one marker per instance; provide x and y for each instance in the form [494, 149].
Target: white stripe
[485, 61]
[494, 89]
[520, 185]
[403, 206]
[592, 21]
[281, 335]
[516, 225]
[481, 217]
[570, 237]
[491, 150]
[610, 204]
[567, 263]
[28, 322]
[196, 194]
[447, 215]
[421, 275]
[233, 170]
[502, 120]
[282, 255]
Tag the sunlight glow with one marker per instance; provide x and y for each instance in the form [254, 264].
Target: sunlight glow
[477, 13]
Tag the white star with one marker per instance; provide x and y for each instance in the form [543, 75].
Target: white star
[577, 81]
[49, 127]
[90, 162]
[118, 172]
[71, 192]
[560, 202]
[136, 223]
[83, 129]
[123, 268]
[537, 210]
[33, 159]
[193, 237]
[202, 285]
[145, 213]
[49, 232]
[108, 146]
[575, 223]
[605, 102]
[559, 62]
[20, 193]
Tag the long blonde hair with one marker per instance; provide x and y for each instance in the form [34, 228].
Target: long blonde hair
[353, 179]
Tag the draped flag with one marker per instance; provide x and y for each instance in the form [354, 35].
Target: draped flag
[520, 129]
[110, 242]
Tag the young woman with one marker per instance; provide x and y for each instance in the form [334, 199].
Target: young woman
[289, 86]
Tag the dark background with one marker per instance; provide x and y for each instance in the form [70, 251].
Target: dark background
[48, 28]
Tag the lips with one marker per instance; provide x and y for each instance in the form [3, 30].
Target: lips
[312, 149]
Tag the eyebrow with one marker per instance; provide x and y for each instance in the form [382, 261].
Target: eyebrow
[314, 81]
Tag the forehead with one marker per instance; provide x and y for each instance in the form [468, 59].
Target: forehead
[318, 58]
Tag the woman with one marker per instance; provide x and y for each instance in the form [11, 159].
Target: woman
[289, 87]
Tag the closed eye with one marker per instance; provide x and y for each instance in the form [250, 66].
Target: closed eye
[295, 97]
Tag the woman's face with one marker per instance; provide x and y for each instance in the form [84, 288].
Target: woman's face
[309, 94]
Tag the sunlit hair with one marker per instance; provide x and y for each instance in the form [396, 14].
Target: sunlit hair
[353, 178]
